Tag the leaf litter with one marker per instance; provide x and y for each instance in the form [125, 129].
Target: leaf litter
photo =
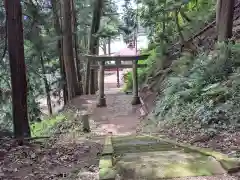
[71, 155]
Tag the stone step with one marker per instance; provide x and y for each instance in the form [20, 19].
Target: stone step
[166, 164]
[149, 157]
[134, 144]
[121, 149]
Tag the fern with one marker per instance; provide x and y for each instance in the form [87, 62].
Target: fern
[207, 90]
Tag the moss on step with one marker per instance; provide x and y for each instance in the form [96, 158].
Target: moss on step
[105, 162]
[229, 164]
[149, 157]
[134, 144]
[106, 170]
[181, 170]
[168, 164]
[124, 139]
[144, 148]
[107, 174]
[108, 148]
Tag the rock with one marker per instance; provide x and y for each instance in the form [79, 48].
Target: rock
[202, 138]
[233, 154]
[33, 155]
[92, 168]
[86, 149]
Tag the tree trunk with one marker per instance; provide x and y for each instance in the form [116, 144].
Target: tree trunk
[63, 73]
[58, 27]
[47, 87]
[90, 77]
[68, 51]
[17, 67]
[109, 45]
[104, 48]
[225, 19]
[224, 27]
[218, 10]
[75, 45]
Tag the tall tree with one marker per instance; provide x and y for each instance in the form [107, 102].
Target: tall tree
[68, 54]
[47, 87]
[76, 47]
[18, 69]
[90, 84]
[129, 22]
[57, 12]
[225, 11]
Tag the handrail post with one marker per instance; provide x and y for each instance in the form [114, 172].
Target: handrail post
[136, 99]
[101, 98]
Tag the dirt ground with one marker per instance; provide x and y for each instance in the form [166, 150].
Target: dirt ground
[71, 155]
[75, 155]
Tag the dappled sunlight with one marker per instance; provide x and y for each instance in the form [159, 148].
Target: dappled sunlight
[90, 101]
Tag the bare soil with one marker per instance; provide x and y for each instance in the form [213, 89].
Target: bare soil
[72, 155]
[64, 156]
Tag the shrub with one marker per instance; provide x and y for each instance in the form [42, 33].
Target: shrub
[204, 89]
[46, 127]
[143, 73]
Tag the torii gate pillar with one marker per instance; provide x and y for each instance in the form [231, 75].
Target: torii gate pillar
[101, 99]
[136, 98]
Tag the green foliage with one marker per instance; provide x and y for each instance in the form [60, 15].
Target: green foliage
[128, 85]
[159, 18]
[40, 43]
[143, 73]
[129, 21]
[46, 127]
[204, 89]
[66, 122]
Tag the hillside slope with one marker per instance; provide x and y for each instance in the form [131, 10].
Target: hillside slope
[198, 96]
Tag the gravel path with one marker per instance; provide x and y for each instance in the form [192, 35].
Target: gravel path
[119, 117]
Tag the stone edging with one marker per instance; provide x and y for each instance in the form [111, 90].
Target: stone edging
[144, 107]
[231, 165]
[106, 170]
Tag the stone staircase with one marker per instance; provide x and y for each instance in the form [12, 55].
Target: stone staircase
[147, 158]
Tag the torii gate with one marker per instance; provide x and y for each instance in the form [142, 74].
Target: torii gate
[101, 60]
[130, 50]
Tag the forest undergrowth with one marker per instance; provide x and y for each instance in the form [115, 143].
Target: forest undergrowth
[199, 101]
[58, 149]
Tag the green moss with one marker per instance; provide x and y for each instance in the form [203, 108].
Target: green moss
[144, 148]
[44, 127]
[168, 164]
[107, 174]
[105, 162]
[108, 148]
[124, 139]
[226, 162]
[153, 158]
[230, 164]
[142, 72]
[184, 170]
